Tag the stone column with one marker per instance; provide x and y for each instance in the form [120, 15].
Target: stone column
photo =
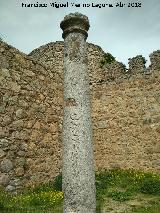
[78, 177]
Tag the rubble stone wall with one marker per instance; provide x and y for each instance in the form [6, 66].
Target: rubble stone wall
[125, 113]
[126, 118]
[155, 60]
[30, 108]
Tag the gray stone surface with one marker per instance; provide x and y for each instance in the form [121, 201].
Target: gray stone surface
[4, 179]
[6, 165]
[19, 113]
[2, 153]
[15, 182]
[10, 188]
[4, 143]
[78, 178]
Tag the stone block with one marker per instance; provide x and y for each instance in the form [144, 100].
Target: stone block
[6, 165]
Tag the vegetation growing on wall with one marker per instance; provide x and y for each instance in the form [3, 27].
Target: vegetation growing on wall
[140, 57]
[124, 67]
[107, 59]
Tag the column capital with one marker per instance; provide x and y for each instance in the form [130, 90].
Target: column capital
[75, 22]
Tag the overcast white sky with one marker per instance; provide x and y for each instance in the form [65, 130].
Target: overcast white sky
[124, 32]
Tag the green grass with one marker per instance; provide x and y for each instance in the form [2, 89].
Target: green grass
[118, 185]
[39, 199]
[123, 185]
[154, 208]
